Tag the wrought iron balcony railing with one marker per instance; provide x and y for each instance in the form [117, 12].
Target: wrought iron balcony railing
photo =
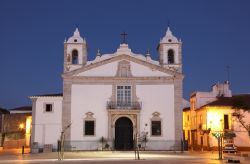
[123, 105]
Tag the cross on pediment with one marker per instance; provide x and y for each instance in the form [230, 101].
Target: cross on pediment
[124, 34]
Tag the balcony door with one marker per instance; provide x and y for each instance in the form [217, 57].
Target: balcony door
[124, 95]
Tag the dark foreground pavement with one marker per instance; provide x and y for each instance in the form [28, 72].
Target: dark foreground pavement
[107, 157]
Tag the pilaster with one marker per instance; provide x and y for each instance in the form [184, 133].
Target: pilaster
[178, 109]
[66, 109]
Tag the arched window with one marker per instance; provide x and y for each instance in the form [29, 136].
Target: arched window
[74, 57]
[170, 56]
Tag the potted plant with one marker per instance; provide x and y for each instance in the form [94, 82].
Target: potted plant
[103, 140]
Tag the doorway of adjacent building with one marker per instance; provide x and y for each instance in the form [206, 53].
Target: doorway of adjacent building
[123, 134]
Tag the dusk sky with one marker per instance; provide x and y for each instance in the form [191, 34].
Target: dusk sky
[215, 33]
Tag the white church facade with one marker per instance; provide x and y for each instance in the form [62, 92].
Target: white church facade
[116, 97]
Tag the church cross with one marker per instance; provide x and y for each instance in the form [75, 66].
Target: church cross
[124, 34]
[168, 23]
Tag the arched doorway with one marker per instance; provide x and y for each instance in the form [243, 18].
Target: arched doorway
[123, 134]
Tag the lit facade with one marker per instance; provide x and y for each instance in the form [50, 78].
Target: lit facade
[214, 117]
[16, 128]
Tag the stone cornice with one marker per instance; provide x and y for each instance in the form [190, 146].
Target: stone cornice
[123, 111]
[111, 80]
[122, 57]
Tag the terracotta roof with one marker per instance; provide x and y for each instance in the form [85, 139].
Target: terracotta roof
[53, 94]
[230, 101]
[49, 95]
[186, 109]
[22, 108]
[3, 111]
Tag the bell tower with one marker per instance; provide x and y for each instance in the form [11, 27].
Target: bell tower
[75, 52]
[170, 53]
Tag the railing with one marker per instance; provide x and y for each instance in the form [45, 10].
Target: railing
[123, 105]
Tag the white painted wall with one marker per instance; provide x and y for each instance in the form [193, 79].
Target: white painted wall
[104, 70]
[157, 98]
[203, 98]
[93, 98]
[110, 70]
[139, 70]
[46, 128]
[89, 98]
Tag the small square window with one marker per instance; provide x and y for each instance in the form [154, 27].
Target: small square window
[48, 107]
[89, 128]
[156, 128]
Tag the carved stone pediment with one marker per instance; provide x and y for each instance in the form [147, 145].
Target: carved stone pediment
[89, 115]
[124, 69]
[156, 114]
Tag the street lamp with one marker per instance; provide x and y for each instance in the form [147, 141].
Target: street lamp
[21, 126]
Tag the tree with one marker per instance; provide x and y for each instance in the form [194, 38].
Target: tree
[4, 124]
[241, 104]
[145, 139]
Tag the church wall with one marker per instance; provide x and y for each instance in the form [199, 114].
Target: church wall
[157, 98]
[89, 98]
[47, 125]
[110, 70]
[93, 98]
[104, 70]
[142, 71]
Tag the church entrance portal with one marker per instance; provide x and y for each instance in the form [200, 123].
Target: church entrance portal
[123, 134]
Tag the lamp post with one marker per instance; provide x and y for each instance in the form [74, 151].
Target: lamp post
[61, 143]
[136, 148]
[21, 127]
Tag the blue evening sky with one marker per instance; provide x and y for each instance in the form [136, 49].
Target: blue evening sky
[215, 33]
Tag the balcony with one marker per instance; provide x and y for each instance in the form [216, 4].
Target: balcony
[124, 105]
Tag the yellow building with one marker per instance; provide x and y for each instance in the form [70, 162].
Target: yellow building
[200, 122]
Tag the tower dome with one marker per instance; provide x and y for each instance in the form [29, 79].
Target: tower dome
[76, 38]
[169, 37]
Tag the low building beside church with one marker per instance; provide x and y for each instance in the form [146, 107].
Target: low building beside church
[15, 127]
[114, 98]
